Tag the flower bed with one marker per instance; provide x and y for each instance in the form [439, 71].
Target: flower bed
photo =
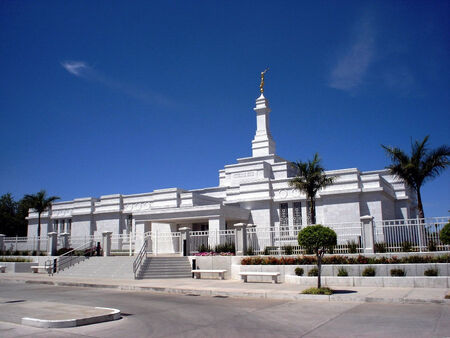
[310, 260]
[213, 254]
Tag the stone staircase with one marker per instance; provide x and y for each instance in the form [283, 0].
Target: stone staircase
[165, 267]
[116, 267]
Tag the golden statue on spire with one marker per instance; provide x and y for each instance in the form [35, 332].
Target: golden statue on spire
[261, 86]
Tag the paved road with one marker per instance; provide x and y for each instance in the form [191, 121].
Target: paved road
[156, 315]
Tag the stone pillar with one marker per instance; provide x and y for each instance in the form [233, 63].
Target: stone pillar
[214, 225]
[52, 243]
[185, 241]
[368, 234]
[65, 240]
[140, 228]
[241, 238]
[2, 243]
[107, 243]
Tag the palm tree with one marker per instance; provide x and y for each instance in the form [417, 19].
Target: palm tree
[423, 165]
[39, 202]
[310, 179]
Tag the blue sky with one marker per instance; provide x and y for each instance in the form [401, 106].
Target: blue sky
[103, 97]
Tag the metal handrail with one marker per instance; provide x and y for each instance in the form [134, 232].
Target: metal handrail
[68, 259]
[140, 258]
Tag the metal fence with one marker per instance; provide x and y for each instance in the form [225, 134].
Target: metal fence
[284, 241]
[215, 240]
[421, 235]
[403, 235]
[14, 244]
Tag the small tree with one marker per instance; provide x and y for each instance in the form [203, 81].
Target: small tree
[39, 202]
[319, 238]
[310, 179]
[445, 234]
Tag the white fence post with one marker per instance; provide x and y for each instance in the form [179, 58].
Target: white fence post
[368, 234]
[107, 243]
[2, 242]
[52, 243]
[241, 239]
[185, 241]
[65, 240]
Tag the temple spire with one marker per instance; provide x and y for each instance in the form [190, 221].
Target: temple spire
[262, 144]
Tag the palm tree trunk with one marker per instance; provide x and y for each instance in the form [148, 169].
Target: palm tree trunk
[419, 204]
[312, 211]
[38, 246]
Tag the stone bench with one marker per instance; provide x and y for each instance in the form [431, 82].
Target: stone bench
[197, 273]
[36, 268]
[274, 275]
[2, 268]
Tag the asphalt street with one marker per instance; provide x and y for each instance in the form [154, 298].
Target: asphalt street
[156, 315]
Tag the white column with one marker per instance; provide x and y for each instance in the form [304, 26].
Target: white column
[368, 234]
[107, 243]
[241, 238]
[65, 240]
[52, 243]
[214, 225]
[2, 243]
[186, 241]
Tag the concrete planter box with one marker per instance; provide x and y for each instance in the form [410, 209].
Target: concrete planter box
[18, 267]
[400, 282]
[354, 270]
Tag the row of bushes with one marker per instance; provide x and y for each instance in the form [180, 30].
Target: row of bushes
[228, 248]
[22, 253]
[310, 260]
[367, 272]
[15, 260]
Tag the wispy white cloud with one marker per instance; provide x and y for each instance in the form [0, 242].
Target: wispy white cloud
[351, 67]
[77, 68]
[82, 70]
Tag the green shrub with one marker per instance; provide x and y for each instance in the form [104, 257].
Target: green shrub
[330, 249]
[342, 272]
[318, 291]
[288, 249]
[380, 247]
[226, 247]
[313, 272]
[431, 245]
[62, 251]
[267, 250]
[398, 273]
[369, 272]
[299, 271]
[406, 246]
[431, 272]
[352, 247]
[15, 259]
[249, 251]
[204, 248]
[445, 234]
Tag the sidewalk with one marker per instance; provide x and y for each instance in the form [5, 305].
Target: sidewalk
[238, 289]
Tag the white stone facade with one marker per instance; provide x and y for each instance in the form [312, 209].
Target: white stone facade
[254, 190]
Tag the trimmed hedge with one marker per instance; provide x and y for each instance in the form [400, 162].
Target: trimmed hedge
[312, 260]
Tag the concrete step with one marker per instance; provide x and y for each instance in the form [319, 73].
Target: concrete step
[165, 267]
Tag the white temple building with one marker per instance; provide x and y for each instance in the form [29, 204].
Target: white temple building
[254, 190]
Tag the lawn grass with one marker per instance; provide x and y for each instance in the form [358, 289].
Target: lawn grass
[317, 291]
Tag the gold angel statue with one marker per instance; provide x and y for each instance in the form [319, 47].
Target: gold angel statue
[261, 86]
